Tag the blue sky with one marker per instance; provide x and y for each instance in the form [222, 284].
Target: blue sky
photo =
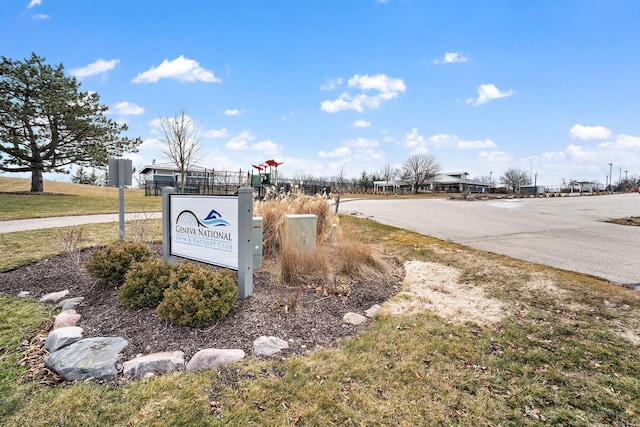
[548, 86]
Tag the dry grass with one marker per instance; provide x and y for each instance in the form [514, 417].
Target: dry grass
[64, 199]
[336, 256]
[274, 211]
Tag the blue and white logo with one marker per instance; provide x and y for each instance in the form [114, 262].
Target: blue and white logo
[214, 219]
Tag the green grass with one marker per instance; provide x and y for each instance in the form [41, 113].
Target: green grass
[558, 358]
[68, 199]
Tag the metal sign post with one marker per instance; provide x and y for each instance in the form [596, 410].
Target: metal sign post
[120, 174]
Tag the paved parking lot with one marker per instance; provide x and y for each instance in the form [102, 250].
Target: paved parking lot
[568, 232]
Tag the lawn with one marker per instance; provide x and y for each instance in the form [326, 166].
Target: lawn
[64, 199]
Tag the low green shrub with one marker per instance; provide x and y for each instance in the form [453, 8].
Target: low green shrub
[197, 295]
[145, 284]
[112, 263]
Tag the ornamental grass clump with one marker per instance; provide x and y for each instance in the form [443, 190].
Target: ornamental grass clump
[145, 284]
[112, 263]
[197, 296]
[274, 211]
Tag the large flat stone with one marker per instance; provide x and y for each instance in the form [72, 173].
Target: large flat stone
[154, 364]
[268, 346]
[54, 296]
[210, 358]
[88, 358]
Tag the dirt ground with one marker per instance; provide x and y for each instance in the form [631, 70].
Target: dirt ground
[307, 317]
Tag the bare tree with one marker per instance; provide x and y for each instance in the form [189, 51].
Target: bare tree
[180, 143]
[340, 180]
[419, 170]
[514, 179]
[388, 173]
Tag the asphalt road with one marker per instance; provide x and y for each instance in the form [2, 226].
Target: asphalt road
[567, 232]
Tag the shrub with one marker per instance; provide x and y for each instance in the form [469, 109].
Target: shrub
[145, 284]
[197, 296]
[113, 262]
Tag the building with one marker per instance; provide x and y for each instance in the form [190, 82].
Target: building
[449, 182]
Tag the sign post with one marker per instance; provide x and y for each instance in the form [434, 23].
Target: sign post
[120, 174]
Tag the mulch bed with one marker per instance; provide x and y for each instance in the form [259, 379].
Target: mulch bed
[307, 317]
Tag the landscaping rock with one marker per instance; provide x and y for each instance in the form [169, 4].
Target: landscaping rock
[66, 318]
[210, 358]
[62, 337]
[354, 319]
[373, 310]
[154, 364]
[54, 296]
[267, 346]
[24, 294]
[88, 358]
[69, 303]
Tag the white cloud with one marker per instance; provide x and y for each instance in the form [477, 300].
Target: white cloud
[216, 133]
[266, 147]
[240, 141]
[126, 108]
[34, 3]
[589, 132]
[232, 112]
[361, 124]
[338, 152]
[181, 69]
[151, 144]
[98, 67]
[389, 88]
[40, 17]
[488, 92]
[443, 140]
[495, 157]
[622, 142]
[451, 58]
[378, 82]
[331, 84]
[478, 144]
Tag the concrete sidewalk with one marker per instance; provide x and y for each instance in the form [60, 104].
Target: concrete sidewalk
[68, 221]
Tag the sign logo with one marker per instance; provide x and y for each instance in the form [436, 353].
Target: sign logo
[215, 219]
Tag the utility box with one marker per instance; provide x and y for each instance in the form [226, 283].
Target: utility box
[300, 231]
[256, 241]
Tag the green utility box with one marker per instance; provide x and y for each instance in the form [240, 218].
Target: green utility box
[300, 231]
[256, 241]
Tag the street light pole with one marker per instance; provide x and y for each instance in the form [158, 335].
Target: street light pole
[619, 177]
[610, 176]
[490, 173]
[535, 185]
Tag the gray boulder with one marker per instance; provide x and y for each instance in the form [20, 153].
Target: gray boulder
[155, 363]
[373, 310]
[88, 358]
[69, 303]
[210, 358]
[62, 337]
[354, 319]
[24, 294]
[54, 296]
[268, 346]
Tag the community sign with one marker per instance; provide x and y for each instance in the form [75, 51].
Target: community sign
[205, 228]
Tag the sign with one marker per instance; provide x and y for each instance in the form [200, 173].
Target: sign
[205, 228]
[115, 168]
